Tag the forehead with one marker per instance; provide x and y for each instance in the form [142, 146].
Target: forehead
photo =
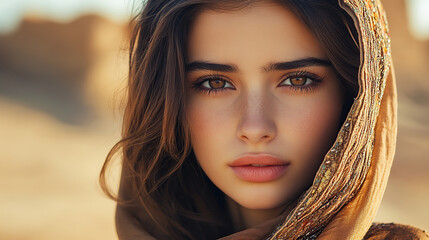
[261, 31]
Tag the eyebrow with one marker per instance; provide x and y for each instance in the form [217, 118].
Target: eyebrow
[305, 62]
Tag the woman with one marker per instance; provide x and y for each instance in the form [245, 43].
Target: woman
[258, 119]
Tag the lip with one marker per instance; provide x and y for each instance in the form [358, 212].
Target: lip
[259, 167]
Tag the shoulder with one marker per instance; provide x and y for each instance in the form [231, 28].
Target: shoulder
[393, 231]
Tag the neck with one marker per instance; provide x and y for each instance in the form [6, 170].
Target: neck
[244, 218]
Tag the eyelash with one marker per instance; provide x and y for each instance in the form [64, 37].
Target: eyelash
[304, 89]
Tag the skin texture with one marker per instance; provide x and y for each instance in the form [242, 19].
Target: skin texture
[256, 110]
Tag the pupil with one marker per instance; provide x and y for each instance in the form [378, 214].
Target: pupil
[216, 83]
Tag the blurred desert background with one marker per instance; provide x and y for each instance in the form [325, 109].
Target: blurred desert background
[61, 84]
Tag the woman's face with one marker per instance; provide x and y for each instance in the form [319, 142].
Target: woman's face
[263, 103]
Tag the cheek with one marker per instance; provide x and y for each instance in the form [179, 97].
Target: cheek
[314, 126]
[210, 128]
[321, 119]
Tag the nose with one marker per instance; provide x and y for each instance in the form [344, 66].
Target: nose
[256, 123]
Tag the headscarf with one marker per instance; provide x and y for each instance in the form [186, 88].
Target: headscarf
[349, 185]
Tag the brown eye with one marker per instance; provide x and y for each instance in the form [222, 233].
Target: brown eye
[217, 83]
[297, 81]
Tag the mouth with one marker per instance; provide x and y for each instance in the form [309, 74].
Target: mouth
[259, 168]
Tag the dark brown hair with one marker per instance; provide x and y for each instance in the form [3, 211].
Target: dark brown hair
[160, 171]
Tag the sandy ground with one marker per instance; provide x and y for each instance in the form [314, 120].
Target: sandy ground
[48, 177]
